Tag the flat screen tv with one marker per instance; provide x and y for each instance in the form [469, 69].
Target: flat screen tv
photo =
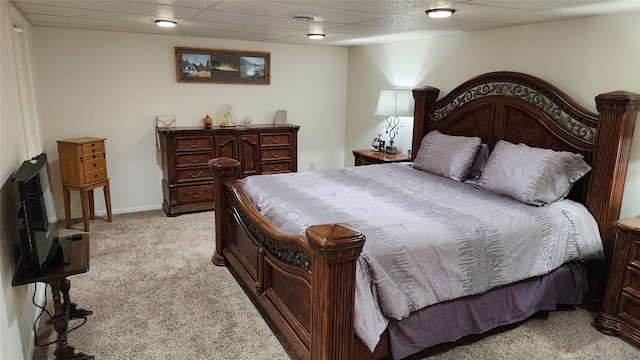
[38, 230]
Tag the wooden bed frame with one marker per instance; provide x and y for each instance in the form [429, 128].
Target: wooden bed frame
[306, 284]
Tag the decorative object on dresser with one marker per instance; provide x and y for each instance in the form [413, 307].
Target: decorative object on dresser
[306, 283]
[366, 157]
[620, 315]
[187, 185]
[83, 168]
[393, 104]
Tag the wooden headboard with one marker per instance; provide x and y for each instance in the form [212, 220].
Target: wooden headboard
[521, 108]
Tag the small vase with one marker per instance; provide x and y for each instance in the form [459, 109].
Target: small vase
[207, 121]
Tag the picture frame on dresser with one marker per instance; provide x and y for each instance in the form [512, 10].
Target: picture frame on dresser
[196, 65]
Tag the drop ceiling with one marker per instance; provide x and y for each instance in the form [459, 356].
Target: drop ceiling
[345, 23]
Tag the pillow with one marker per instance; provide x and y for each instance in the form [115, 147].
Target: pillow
[532, 175]
[446, 155]
[479, 163]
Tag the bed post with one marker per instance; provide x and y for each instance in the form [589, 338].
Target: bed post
[616, 121]
[335, 249]
[222, 170]
[423, 97]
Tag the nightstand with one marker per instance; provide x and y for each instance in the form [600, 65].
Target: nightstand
[367, 157]
[620, 315]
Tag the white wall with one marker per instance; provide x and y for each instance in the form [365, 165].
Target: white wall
[112, 85]
[583, 57]
[17, 313]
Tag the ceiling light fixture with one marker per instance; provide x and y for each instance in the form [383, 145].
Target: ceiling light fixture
[440, 13]
[315, 36]
[165, 23]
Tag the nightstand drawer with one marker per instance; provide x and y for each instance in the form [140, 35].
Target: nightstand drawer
[97, 175]
[94, 164]
[96, 147]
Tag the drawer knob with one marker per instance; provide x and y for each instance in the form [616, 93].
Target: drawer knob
[276, 168]
[194, 145]
[275, 140]
[275, 155]
[196, 196]
[194, 160]
[195, 175]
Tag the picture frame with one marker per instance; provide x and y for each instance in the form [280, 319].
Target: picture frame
[195, 65]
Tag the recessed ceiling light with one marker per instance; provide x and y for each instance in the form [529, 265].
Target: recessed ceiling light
[165, 23]
[440, 13]
[315, 36]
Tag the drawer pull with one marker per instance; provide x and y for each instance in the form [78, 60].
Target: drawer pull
[275, 140]
[194, 160]
[276, 168]
[93, 145]
[275, 155]
[194, 146]
[195, 175]
[196, 196]
[95, 176]
[95, 165]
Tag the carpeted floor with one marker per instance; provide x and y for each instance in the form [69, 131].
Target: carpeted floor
[156, 295]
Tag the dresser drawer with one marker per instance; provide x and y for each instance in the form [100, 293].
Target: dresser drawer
[194, 174]
[192, 159]
[96, 147]
[94, 164]
[269, 154]
[195, 143]
[95, 175]
[195, 194]
[275, 139]
[276, 167]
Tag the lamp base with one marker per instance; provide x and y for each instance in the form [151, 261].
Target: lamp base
[391, 149]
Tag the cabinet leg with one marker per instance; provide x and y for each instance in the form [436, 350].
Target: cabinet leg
[92, 207]
[84, 199]
[107, 200]
[66, 194]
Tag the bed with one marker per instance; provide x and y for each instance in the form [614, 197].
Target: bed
[306, 283]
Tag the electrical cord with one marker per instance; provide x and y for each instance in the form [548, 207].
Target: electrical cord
[43, 310]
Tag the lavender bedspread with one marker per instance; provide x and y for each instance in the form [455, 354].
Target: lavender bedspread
[428, 239]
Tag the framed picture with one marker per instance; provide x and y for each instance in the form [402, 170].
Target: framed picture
[223, 66]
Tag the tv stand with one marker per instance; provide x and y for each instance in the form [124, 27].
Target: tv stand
[56, 275]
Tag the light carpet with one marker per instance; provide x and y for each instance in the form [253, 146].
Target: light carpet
[156, 295]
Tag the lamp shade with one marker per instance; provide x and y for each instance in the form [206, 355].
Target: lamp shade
[395, 103]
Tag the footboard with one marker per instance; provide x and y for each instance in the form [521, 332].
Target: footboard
[306, 284]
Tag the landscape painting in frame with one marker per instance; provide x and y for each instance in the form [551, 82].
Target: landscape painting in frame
[222, 66]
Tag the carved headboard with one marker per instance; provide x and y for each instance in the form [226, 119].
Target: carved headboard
[521, 108]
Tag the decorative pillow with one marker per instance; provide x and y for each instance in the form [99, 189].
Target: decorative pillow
[446, 155]
[532, 175]
[479, 163]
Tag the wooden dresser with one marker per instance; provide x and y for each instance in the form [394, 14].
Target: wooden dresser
[620, 315]
[83, 168]
[187, 184]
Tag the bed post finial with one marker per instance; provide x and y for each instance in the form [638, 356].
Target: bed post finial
[423, 97]
[222, 170]
[335, 249]
[617, 117]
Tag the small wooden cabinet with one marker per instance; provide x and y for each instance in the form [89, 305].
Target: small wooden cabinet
[83, 168]
[620, 315]
[187, 184]
[367, 157]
